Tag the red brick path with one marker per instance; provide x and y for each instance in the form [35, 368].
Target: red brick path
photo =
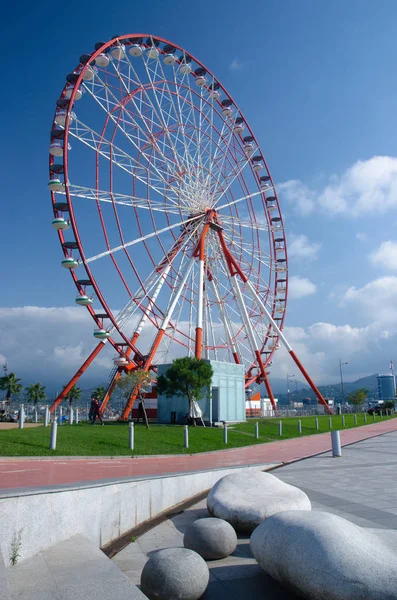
[39, 473]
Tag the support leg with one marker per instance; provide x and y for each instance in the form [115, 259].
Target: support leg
[77, 376]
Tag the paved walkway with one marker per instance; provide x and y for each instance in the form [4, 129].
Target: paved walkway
[361, 486]
[35, 474]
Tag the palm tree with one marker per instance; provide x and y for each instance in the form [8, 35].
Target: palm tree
[35, 392]
[10, 383]
[73, 394]
[99, 393]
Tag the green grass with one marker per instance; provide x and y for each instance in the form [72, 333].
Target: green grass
[112, 439]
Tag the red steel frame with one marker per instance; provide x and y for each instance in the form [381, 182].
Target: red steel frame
[138, 359]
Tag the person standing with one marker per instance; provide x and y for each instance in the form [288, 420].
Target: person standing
[94, 411]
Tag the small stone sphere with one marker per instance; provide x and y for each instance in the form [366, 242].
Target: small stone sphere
[174, 573]
[211, 538]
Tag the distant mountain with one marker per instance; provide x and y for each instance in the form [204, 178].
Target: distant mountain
[334, 390]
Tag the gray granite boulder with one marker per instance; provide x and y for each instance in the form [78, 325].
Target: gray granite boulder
[174, 574]
[248, 498]
[211, 538]
[322, 556]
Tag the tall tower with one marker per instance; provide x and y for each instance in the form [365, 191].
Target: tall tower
[386, 387]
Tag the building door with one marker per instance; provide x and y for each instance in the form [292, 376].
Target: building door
[215, 404]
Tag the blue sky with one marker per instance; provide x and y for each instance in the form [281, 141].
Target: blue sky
[317, 83]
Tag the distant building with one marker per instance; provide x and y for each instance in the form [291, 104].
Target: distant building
[386, 387]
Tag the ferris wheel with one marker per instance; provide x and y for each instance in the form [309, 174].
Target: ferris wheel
[167, 213]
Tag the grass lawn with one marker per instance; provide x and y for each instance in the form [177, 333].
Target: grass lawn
[112, 439]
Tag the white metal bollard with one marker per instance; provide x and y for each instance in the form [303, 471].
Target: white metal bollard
[71, 416]
[77, 415]
[299, 426]
[21, 419]
[131, 435]
[35, 414]
[60, 415]
[373, 416]
[256, 431]
[280, 428]
[336, 447]
[186, 437]
[330, 422]
[46, 416]
[225, 434]
[387, 412]
[355, 419]
[343, 420]
[316, 423]
[380, 414]
[365, 417]
[53, 435]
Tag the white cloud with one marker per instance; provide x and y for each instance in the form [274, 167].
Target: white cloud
[298, 195]
[236, 65]
[299, 287]
[366, 349]
[50, 344]
[376, 301]
[300, 247]
[366, 186]
[385, 256]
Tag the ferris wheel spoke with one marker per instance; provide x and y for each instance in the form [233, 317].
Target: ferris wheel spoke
[230, 136]
[231, 178]
[248, 251]
[238, 200]
[123, 160]
[145, 119]
[150, 164]
[142, 239]
[160, 107]
[122, 199]
[232, 222]
[159, 274]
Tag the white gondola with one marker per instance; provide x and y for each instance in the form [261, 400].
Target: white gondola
[102, 60]
[56, 148]
[185, 68]
[271, 206]
[59, 223]
[227, 111]
[84, 300]
[200, 80]
[60, 117]
[118, 51]
[136, 50]
[249, 148]
[273, 346]
[120, 361]
[238, 128]
[153, 52]
[280, 310]
[281, 289]
[214, 94]
[68, 92]
[280, 249]
[169, 59]
[56, 185]
[101, 334]
[89, 74]
[258, 166]
[280, 269]
[265, 186]
[69, 263]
